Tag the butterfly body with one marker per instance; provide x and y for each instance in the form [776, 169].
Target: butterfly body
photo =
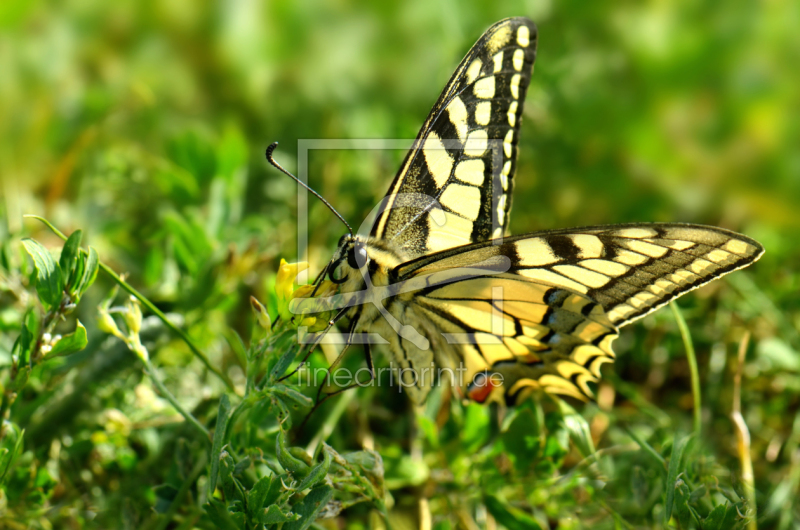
[454, 296]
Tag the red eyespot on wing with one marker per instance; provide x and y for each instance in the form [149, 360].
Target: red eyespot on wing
[481, 387]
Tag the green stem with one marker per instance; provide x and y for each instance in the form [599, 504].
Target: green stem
[695, 375]
[331, 420]
[646, 446]
[162, 521]
[151, 372]
[149, 305]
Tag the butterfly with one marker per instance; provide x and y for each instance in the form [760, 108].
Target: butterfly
[441, 281]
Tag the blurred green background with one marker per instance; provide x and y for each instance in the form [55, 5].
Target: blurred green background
[144, 124]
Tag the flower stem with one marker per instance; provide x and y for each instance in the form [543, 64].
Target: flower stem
[695, 374]
[151, 372]
[149, 305]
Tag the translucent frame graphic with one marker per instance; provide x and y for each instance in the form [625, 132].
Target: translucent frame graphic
[374, 294]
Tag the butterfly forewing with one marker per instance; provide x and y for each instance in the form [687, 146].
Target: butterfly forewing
[548, 318]
[454, 187]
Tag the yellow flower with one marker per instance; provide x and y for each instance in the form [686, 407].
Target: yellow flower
[296, 304]
[287, 274]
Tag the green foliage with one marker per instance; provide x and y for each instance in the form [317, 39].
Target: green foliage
[141, 129]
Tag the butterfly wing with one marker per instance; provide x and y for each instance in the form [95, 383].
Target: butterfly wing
[542, 309]
[454, 186]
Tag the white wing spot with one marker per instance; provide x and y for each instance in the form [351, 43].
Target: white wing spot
[590, 246]
[636, 233]
[720, 256]
[454, 232]
[439, 162]
[507, 143]
[586, 277]
[523, 36]
[702, 267]
[550, 277]
[458, 117]
[610, 268]
[501, 209]
[515, 85]
[535, 252]
[630, 258]
[484, 88]
[471, 171]
[643, 247]
[504, 175]
[518, 59]
[675, 245]
[645, 297]
[512, 113]
[498, 62]
[477, 142]
[665, 284]
[738, 247]
[483, 112]
[620, 311]
[466, 200]
[474, 70]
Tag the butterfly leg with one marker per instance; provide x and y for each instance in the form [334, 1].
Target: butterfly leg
[370, 367]
[333, 321]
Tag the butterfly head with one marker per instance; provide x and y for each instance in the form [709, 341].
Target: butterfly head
[359, 257]
[350, 257]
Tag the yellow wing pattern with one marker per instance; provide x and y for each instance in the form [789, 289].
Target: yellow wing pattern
[455, 184]
[545, 315]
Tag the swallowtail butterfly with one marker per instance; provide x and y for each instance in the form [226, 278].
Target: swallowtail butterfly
[439, 278]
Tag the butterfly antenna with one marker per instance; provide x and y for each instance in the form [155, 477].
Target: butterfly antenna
[272, 161]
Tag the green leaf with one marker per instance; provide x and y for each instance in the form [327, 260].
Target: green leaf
[722, 517]
[90, 272]
[522, 437]
[70, 343]
[49, 282]
[292, 395]
[317, 473]
[165, 494]
[10, 448]
[230, 485]
[683, 512]
[578, 428]
[257, 496]
[308, 510]
[24, 343]
[69, 256]
[429, 428]
[21, 379]
[218, 513]
[673, 471]
[508, 516]
[476, 426]
[44, 482]
[77, 276]
[274, 515]
[284, 361]
[286, 459]
[223, 415]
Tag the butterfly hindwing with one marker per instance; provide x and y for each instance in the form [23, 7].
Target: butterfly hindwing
[454, 186]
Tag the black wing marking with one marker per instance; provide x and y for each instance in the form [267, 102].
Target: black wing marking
[464, 157]
[548, 321]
